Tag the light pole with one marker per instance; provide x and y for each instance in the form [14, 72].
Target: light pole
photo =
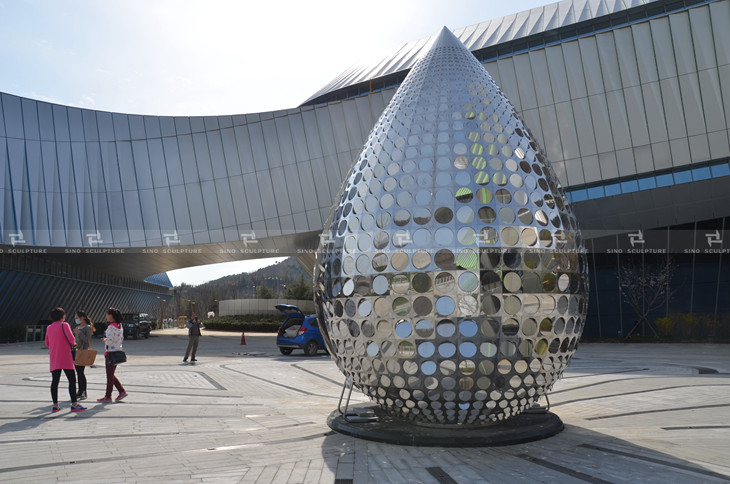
[162, 314]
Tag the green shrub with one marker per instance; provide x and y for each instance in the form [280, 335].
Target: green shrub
[665, 326]
[252, 322]
[693, 326]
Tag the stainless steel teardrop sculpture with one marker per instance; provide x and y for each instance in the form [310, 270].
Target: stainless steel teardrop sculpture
[451, 280]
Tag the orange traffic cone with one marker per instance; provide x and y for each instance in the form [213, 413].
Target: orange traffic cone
[243, 338]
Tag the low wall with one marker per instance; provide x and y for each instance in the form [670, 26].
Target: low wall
[232, 307]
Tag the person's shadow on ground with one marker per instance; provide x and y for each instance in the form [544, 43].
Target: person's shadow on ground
[43, 415]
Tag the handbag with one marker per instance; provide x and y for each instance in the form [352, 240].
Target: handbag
[85, 357]
[116, 357]
[73, 347]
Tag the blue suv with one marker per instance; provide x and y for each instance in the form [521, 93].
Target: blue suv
[298, 332]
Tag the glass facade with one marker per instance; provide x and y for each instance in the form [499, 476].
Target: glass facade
[31, 285]
[68, 172]
[700, 259]
[678, 176]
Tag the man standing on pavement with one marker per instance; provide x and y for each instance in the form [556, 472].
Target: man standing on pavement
[193, 337]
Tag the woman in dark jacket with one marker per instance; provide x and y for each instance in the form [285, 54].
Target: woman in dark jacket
[83, 332]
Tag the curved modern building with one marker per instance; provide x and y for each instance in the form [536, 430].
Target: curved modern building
[630, 99]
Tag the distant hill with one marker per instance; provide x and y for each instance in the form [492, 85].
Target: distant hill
[276, 277]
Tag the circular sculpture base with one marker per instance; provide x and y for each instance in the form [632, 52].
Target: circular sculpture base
[372, 423]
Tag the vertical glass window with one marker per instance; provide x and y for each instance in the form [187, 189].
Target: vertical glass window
[664, 180]
[299, 138]
[702, 173]
[187, 157]
[230, 152]
[13, 116]
[612, 189]
[197, 124]
[126, 165]
[271, 142]
[243, 141]
[202, 156]
[217, 158]
[629, 186]
[720, 170]
[180, 206]
[182, 125]
[157, 162]
[45, 118]
[172, 159]
[30, 119]
[121, 126]
[60, 122]
[683, 176]
[578, 195]
[165, 210]
[76, 124]
[136, 127]
[142, 164]
[152, 127]
[225, 203]
[647, 183]
[595, 192]
[106, 127]
[167, 126]
[239, 199]
[253, 198]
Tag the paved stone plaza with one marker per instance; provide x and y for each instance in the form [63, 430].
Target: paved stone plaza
[633, 413]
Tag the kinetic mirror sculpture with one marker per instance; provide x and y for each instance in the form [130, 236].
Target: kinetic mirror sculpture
[450, 278]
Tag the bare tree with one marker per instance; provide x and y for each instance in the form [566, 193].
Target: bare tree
[646, 288]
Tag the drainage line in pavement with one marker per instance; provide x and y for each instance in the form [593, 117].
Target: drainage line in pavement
[338, 383]
[696, 470]
[676, 409]
[598, 397]
[605, 382]
[441, 475]
[118, 458]
[94, 436]
[564, 470]
[72, 462]
[697, 427]
[278, 384]
[632, 370]
[210, 379]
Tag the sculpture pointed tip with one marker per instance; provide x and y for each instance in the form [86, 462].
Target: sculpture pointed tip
[445, 37]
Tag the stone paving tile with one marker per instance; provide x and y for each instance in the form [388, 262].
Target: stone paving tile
[260, 417]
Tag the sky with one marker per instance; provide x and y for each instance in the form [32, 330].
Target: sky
[189, 58]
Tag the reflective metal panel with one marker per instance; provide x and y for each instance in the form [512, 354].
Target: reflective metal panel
[451, 282]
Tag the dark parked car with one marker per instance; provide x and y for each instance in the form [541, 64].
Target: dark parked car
[298, 332]
[135, 326]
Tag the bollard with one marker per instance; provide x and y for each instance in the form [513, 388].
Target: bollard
[243, 338]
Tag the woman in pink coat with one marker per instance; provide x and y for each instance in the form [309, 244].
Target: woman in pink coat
[60, 340]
